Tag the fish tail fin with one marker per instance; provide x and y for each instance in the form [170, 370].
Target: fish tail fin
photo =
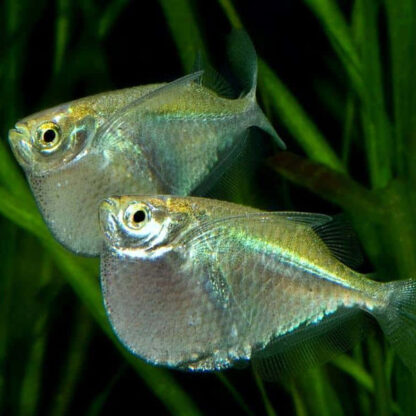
[243, 60]
[398, 319]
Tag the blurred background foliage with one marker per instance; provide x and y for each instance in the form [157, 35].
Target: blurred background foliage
[337, 78]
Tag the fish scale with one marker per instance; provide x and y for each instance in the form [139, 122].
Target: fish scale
[283, 281]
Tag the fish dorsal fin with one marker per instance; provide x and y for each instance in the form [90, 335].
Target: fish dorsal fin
[243, 59]
[311, 344]
[126, 118]
[339, 236]
[212, 79]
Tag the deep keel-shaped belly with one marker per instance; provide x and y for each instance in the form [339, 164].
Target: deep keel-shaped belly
[69, 198]
[201, 285]
[166, 317]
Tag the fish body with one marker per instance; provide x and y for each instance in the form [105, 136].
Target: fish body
[201, 284]
[160, 138]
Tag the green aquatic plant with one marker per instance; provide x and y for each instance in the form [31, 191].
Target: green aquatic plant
[368, 172]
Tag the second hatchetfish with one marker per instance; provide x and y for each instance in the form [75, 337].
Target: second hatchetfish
[161, 138]
[203, 285]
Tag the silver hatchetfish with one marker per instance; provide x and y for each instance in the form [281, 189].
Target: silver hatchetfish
[162, 138]
[201, 284]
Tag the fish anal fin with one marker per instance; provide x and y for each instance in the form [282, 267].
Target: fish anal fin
[222, 171]
[339, 236]
[237, 183]
[311, 345]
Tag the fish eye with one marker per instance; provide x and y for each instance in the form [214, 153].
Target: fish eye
[48, 137]
[137, 215]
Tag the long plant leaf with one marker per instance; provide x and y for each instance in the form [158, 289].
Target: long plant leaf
[186, 32]
[401, 19]
[339, 34]
[376, 124]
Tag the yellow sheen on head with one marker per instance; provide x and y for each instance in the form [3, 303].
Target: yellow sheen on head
[178, 205]
[51, 138]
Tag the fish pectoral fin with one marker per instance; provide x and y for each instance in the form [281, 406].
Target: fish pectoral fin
[336, 234]
[253, 223]
[311, 344]
[250, 222]
[164, 90]
[220, 289]
[127, 118]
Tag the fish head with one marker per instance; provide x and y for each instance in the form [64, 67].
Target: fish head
[50, 139]
[148, 226]
[143, 226]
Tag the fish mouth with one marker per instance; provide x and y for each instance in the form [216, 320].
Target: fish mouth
[20, 144]
[107, 215]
